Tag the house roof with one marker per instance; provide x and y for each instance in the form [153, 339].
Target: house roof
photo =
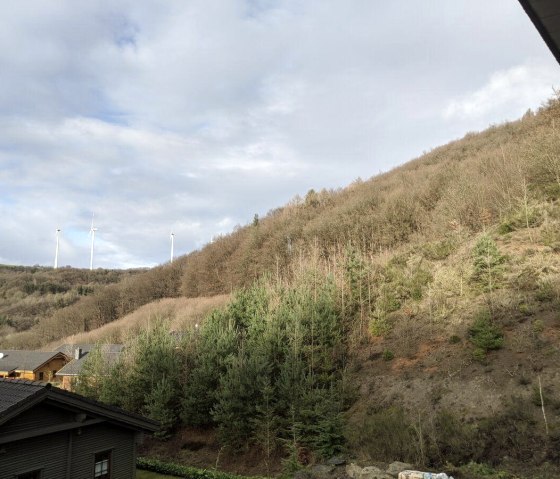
[69, 349]
[74, 367]
[16, 396]
[110, 354]
[13, 360]
[545, 15]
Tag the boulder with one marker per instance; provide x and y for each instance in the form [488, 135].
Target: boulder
[372, 472]
[411, 475]
[396, 467]
[423, 475]
[336, 461]
[353, 470]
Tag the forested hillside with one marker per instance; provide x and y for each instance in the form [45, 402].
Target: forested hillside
[495, 177]
[40, 305]
[28, 295]
[414, 316]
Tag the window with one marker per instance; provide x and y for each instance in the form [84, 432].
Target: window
[102, 469]
[30, 475]
[41, 375]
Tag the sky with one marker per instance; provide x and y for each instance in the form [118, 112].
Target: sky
[192, 116]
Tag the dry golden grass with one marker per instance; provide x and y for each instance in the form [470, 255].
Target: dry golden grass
[179, 313]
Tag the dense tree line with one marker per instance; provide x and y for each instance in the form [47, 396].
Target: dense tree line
[267, 371]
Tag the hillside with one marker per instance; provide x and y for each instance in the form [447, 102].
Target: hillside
[496, 177]
[30, 294]
[414, 316]
[177, 313]
[488, 178]
[95, 306]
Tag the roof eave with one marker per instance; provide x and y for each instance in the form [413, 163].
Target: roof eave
[539, 25]
[124, 418]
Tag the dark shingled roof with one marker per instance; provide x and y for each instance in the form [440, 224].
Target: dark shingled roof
[69, 349]
[110, 354]
[17, 395]
[545, 15]
[74, 367]
[24, 360]
[14, 392]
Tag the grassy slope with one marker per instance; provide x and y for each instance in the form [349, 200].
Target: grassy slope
[179, 313]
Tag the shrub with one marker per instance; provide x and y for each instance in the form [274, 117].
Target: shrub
[388, 355]
[545, 291]
[179, 470]
[488, 263]
[520, 219]
[485, 335]
[379, 326]
[439, 250]
[396, 441]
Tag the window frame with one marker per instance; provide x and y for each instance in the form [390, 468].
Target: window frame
[98, 458]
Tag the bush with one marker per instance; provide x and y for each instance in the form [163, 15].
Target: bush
[386, 435]
[379, 326]
[488, 263]
[388, 355]
[520, 219]
[454, 339]
[178, 470]
[439, 250]
[485, 335]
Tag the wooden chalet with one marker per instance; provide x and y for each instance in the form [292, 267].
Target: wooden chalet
[50, 433]
[32, 365]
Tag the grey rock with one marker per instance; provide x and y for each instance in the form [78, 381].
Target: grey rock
[353, 470]
[372, 472]
[396, 467]
[336, 461]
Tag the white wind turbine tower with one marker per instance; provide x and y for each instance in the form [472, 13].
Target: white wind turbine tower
[58, 230]
[172, 241]
[92, 231]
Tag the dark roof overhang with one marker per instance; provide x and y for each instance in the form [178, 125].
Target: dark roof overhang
[545, 15]
[31, 393]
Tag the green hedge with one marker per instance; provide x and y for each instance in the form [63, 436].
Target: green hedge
[178, 470]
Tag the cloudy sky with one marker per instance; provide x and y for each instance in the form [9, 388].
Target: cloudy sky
[193, 115]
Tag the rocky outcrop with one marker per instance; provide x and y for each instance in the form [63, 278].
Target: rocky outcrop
[336, 468]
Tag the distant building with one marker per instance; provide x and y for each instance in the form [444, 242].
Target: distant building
[79, 353]
[49, 433]
[32, 365]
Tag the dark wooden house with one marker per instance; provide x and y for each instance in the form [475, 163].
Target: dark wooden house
[49, 433]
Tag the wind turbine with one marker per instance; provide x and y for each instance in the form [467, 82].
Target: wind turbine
[92, 231]
[56, 251]
[172, 241]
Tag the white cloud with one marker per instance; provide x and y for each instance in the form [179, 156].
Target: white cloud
[510, 90]
[193, 116]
